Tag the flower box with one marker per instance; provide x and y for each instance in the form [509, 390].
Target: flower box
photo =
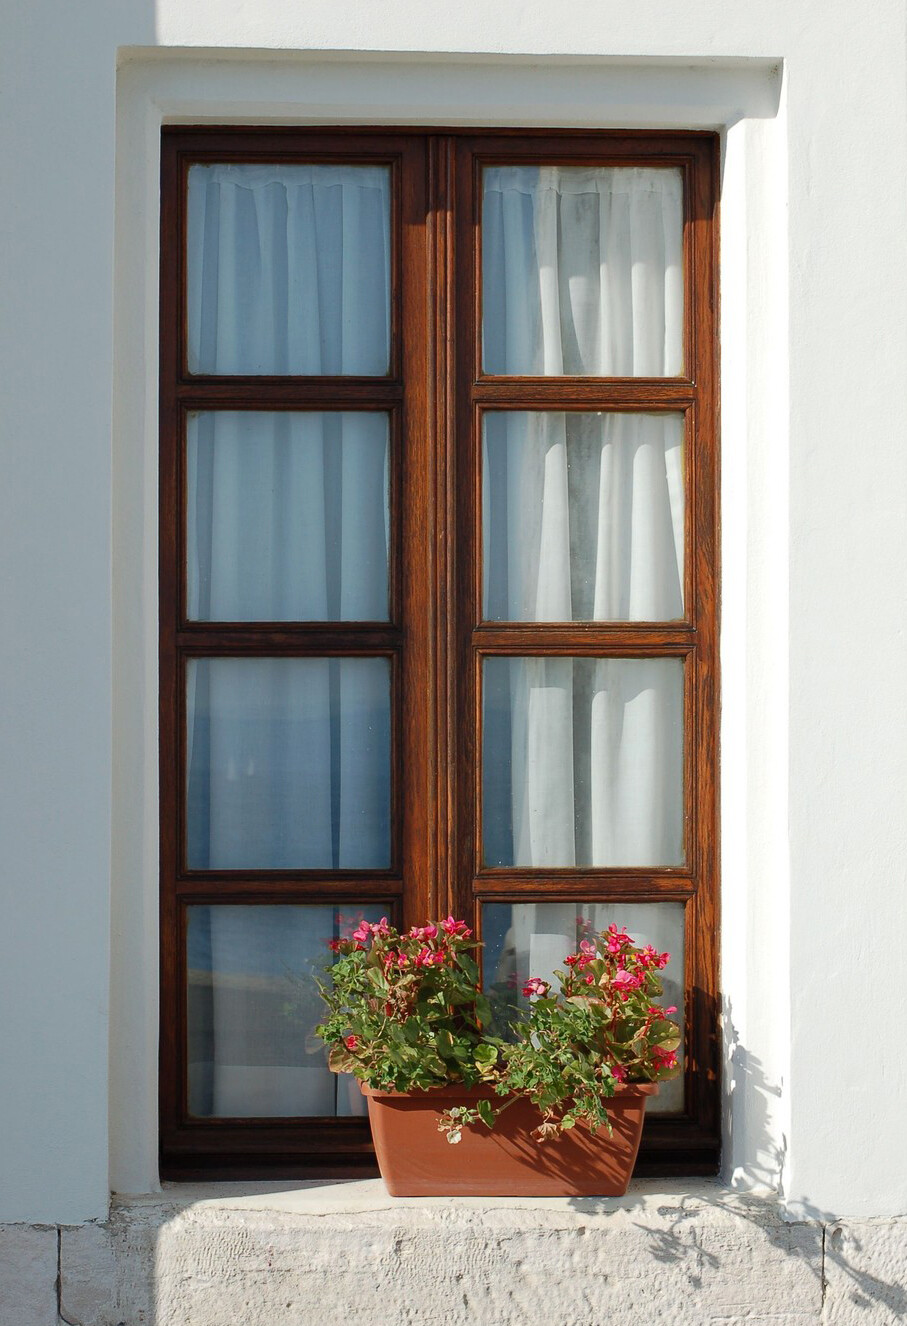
[505, 1161]
[539, 1101]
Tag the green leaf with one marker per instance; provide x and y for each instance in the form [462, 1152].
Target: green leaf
[664, 1034]
[469, 966]
[340, 1060]
[486, 1112]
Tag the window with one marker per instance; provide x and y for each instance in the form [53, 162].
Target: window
[438, 572]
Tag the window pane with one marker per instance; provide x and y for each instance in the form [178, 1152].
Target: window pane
[532, 939]
[583, 516]
[288, 763]
[582, 270]
[253, 1004]
[287, 516]
[289, 269]
[582, 762]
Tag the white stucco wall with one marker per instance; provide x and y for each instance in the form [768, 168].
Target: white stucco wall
[814, 728]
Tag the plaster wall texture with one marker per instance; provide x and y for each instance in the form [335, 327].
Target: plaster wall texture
[815, 646]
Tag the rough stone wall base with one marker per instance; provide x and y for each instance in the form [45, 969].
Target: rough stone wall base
[684, 1254]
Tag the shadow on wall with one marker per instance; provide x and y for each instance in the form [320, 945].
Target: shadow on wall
[819, 1236]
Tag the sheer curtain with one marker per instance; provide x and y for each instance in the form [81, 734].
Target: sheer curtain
[288, 759]
[253, 1006]
[532, 939]
[583, 271]
[583, 514]
[289, 269]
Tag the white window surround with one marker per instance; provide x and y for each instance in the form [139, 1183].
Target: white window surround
[743, 99]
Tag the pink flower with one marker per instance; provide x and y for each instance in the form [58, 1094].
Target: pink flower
[664, 1058]
[381, 927]
[363, 932]
[352, 1042]
[617, 940]
[671, 1008]
[427, 958]
[590, 979]
[586, 946]
[536, 986]
[423, 932]
[452, 927]
[650, 957]
[625, 981]
[619, 1073]
[334, 945]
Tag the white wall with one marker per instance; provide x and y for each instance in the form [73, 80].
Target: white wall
[815, 486]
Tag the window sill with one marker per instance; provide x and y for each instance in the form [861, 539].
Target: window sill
[663, 1197]
[266, 1254]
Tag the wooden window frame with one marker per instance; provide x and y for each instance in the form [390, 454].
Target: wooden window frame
[435, 393]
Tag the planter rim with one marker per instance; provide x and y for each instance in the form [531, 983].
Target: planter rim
[457, 1090]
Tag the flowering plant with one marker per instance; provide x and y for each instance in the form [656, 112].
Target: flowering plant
[405, 1012]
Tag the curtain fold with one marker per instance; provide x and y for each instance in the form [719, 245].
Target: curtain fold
[253, 1006]
[583, 271]
[583, 515]
[288, 269]
[288, 760]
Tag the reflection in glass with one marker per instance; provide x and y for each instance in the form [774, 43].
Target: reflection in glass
[253, 1005]
[287, 516]
[583, 516]
[288, 269]
[582, 761]
[582, 270]
[288, 763]
[532, 939]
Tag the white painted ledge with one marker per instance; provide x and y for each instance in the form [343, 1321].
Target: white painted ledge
[683, 1253]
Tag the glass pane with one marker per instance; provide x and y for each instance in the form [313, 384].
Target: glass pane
[289, 269]
[582, 270]
[583, 516]
[287, 516]
[582, 762]
[253, 1005]
[532, 939]
[288, 763]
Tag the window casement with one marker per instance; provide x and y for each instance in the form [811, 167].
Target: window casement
[438, 578]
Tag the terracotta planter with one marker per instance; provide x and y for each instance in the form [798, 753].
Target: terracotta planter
[416, 1160]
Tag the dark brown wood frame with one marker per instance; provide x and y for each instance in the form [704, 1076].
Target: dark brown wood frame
[435, 393]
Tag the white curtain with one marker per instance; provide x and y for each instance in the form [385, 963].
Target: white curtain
[583, 515]
[288, 760]
[583, 762]
[253, 1006]
[583, 271]
[287, 516]
[288, 763]
[289, 269]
